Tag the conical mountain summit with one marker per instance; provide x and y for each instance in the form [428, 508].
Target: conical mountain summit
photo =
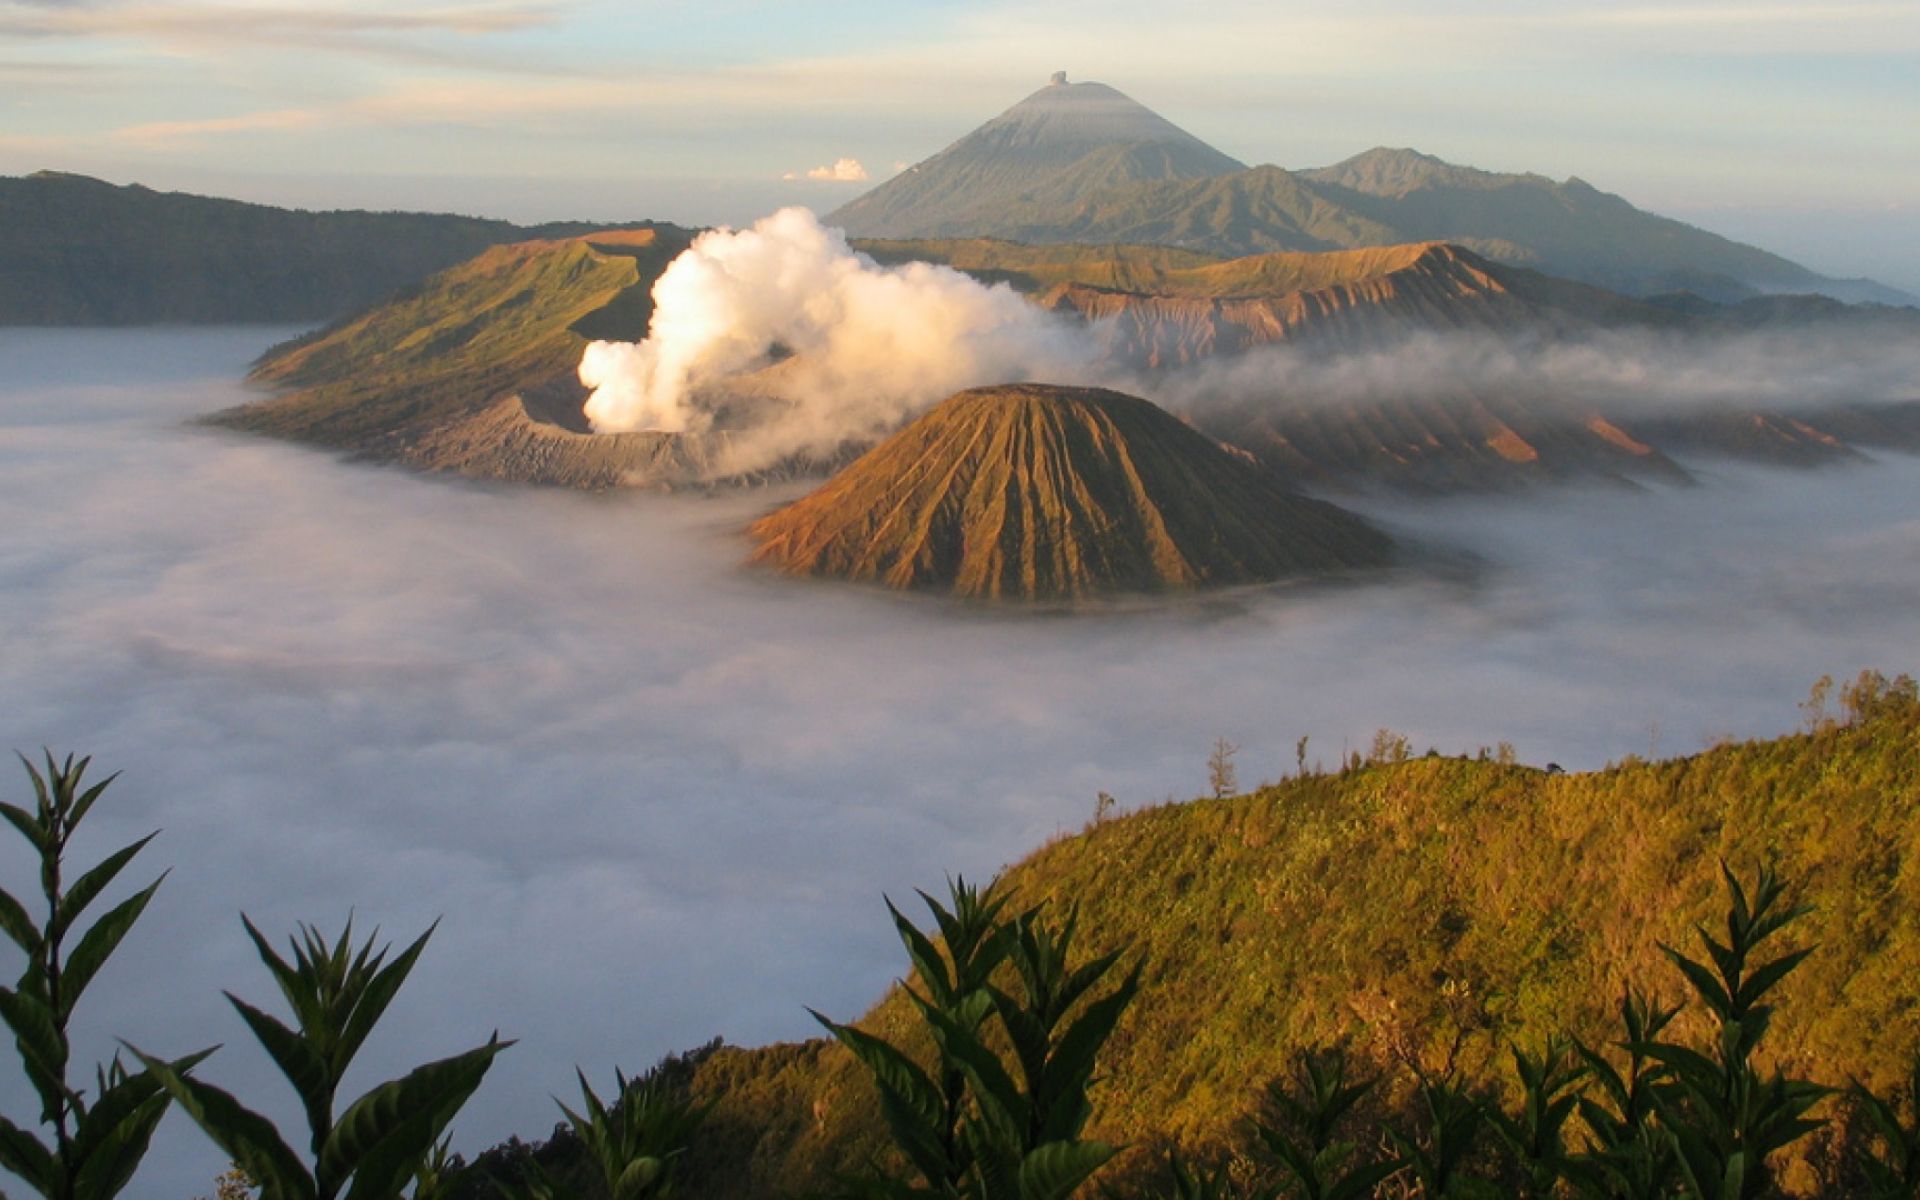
[1042, 492]
[1057, 146]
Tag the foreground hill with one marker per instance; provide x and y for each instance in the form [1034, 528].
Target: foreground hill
[1011, 179]
[77, 251]
[1031, 492]
[1424, 910]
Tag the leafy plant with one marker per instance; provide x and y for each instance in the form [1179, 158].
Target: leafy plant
[96, 1144]
[1018, 1118]
[1892, 1168]
[1629, 1156]
[1189, 1182]
[1724, 1117]
[1437, 1156]
[924, 1112]
[1549, 1083]
[1316, 1163]
[383, 1139]
[631, 1144]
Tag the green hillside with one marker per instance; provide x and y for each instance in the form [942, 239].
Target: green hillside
[1422, 909]
[510, 321]
[77, 251]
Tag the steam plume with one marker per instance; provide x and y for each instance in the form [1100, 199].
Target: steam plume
[870, 345]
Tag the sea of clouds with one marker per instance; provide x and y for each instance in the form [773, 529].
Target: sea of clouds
[657, 797]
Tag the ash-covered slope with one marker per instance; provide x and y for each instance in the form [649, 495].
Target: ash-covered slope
[1036, 492]
[1064, 142]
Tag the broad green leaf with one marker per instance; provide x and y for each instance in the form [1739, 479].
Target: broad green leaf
[119, 1099]
[372, 1003]
[1055, 1170]
[1703, 981]
[88, 886]
[298, 991]
[297, 1060]
[16, 924]
[22, 1154]
[1764, 978]
[1073, 1059]
[28, 824]
[248, 1138]
[43, 1051]
[116, 1153]
[384, 1135]
[98, 943]
[925, 958]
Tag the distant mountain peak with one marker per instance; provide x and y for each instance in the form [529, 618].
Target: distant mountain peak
[1057, 145]
[1395, 172]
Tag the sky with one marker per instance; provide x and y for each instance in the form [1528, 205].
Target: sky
[1795, 125]
[656, 797]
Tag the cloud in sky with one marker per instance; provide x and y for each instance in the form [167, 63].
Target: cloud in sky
[1700, 105]
[843, 170]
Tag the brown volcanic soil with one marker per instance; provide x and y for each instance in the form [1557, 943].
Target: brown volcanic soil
[1038, 492]
[1348, 300]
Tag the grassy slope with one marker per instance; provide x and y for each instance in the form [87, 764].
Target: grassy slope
[77, 251]
[513, 318]
[1028, 492]
[1399, 904]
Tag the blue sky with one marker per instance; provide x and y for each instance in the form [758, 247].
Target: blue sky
[1797, 125]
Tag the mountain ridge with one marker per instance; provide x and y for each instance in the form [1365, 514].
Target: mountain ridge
[75, 250]
[1382, 196]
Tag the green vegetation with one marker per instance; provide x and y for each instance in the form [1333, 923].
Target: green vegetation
[78, 251]
[1030, 492]
[978, 1125]
[514, 319]
[631, 1147]
[96, 1144]
[1415, 976]
[1429, 915]
[385, 1138]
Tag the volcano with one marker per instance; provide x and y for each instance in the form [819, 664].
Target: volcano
[1058, 146]
[1037, 492]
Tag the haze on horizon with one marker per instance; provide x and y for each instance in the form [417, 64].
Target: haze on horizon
[1787, 125]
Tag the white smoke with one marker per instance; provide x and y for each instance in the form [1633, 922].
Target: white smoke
[869, 345]
[1632, 372]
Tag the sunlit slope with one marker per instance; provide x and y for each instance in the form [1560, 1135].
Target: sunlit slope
[1403, 906]
[423, 376]
[1350, 300]
[1031, 492]
[78, 251]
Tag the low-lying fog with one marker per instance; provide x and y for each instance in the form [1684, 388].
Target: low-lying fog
[657, 798]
